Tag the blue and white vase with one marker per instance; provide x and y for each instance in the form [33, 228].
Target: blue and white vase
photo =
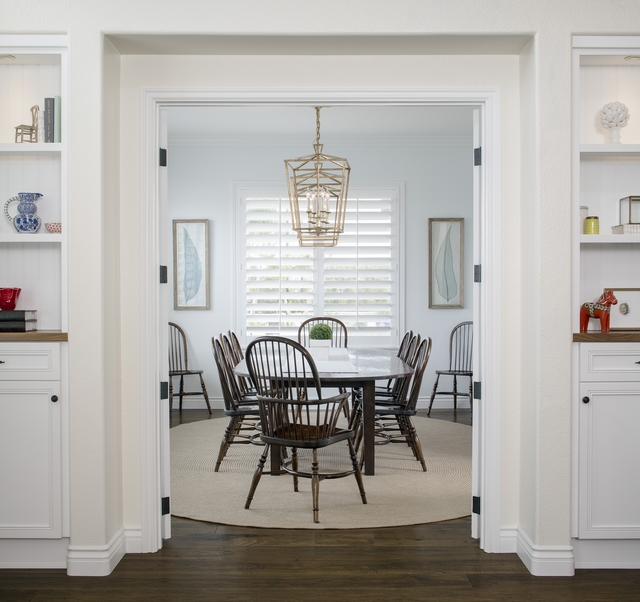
[26, 222]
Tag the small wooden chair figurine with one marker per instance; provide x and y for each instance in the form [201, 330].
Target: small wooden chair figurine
[29, 131]
[601, 309]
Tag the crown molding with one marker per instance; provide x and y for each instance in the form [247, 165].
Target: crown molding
[306, 141]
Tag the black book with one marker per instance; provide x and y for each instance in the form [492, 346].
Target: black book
[17, 315]
[23, 326]
[49, 118]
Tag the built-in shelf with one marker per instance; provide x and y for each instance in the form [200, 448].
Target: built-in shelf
[609, 150]
[600, 239]
[28, 148]
[39, 237]
[35, 336]
[618, 336]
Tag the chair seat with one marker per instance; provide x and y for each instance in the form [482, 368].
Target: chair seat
[306, 436]
[455, 372]
[184, 372]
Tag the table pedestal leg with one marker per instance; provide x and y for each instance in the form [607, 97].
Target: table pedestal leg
[369, 419]
[276, 460]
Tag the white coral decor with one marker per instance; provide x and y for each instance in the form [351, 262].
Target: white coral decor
[614, 116]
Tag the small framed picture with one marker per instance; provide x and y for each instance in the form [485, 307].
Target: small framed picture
[446, 262]
[191, 264]
[625, 315]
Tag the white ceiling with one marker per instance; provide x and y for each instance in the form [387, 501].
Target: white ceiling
[337, 123]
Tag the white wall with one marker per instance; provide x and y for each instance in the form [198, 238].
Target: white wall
[438, 183]
[552, 22]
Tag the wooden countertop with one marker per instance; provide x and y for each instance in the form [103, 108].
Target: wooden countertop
[35, 336]
[617, 336]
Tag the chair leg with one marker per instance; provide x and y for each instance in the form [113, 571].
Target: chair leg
[294, 466]
[433, 395]
[227, 439]
[416, 446]
[315, 486]
[204, 392]
[181, 393]
[455, 394]
[257, 475]
[356, 469]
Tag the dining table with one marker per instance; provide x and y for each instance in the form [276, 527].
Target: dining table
[354, 368]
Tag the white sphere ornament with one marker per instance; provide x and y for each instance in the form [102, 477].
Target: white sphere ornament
[614, 116]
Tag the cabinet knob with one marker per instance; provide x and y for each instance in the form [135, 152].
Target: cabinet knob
[636, 362]
[585, 400]
[2, 362]
[54, 398]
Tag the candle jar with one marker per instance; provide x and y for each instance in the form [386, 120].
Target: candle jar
[592, 225]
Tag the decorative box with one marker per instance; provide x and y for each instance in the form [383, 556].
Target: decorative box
[630, 210]
[626, 229]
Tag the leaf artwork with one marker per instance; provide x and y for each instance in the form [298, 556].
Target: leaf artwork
[192, 269]
[445, 274]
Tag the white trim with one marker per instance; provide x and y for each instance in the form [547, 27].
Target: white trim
[275, 140]
[489, 413]
[607, 553]
[605, 41]
[545, 561]
[33, 553]
[509, 540]
[96, 561]
[133, 540]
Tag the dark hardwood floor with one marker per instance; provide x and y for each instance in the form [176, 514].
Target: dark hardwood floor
[204, 561]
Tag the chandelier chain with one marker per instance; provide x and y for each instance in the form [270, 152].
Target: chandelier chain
[317, 140]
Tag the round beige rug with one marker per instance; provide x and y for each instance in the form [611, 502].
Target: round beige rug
[400, 493]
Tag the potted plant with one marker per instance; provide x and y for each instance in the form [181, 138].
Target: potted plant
[320, 337]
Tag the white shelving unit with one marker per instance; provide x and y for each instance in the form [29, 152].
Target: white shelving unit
[606, 374]
[34, 506]
[36, 263]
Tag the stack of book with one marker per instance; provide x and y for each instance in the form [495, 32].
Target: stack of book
[18, 320]
[52, 119]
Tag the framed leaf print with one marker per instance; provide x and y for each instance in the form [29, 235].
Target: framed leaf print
[446, 262]
[191, 264]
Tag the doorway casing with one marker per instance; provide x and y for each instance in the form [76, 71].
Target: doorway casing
[487, 247]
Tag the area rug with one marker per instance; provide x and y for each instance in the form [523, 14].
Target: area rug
[400, 493]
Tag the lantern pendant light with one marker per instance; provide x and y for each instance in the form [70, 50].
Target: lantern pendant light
[318, 186]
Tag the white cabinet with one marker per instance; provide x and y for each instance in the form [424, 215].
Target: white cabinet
[609, 441]
[31, 404]
[606, 374]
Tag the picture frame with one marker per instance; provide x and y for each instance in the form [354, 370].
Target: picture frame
[446, 262]
[626, 314]
[191, 264]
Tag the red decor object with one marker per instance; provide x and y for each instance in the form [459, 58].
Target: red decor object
[601, 309]
[9, 298]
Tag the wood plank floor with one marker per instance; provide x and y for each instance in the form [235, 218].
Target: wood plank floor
[209, 562]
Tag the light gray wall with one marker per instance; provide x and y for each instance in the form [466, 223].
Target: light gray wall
[438, 183]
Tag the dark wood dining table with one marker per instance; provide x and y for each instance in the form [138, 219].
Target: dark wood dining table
[372, 364]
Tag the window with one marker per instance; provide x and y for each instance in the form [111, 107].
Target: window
[281, 284]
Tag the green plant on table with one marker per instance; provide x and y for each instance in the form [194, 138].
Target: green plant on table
[321, 332]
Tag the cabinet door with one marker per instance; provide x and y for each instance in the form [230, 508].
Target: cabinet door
[30, 465]
[609, 492]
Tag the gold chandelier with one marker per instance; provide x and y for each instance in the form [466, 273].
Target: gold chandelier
[320, 183]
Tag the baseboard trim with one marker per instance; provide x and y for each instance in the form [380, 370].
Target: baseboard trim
[508, 540]
[133, 536]
[545, 561]
[607, 553]
[33, 553]
[96, 561]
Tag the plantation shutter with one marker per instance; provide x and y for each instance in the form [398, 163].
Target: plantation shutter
[283, 284]
[359, 274]
[279, 274]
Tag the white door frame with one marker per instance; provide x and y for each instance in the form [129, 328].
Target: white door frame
[486, 338]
